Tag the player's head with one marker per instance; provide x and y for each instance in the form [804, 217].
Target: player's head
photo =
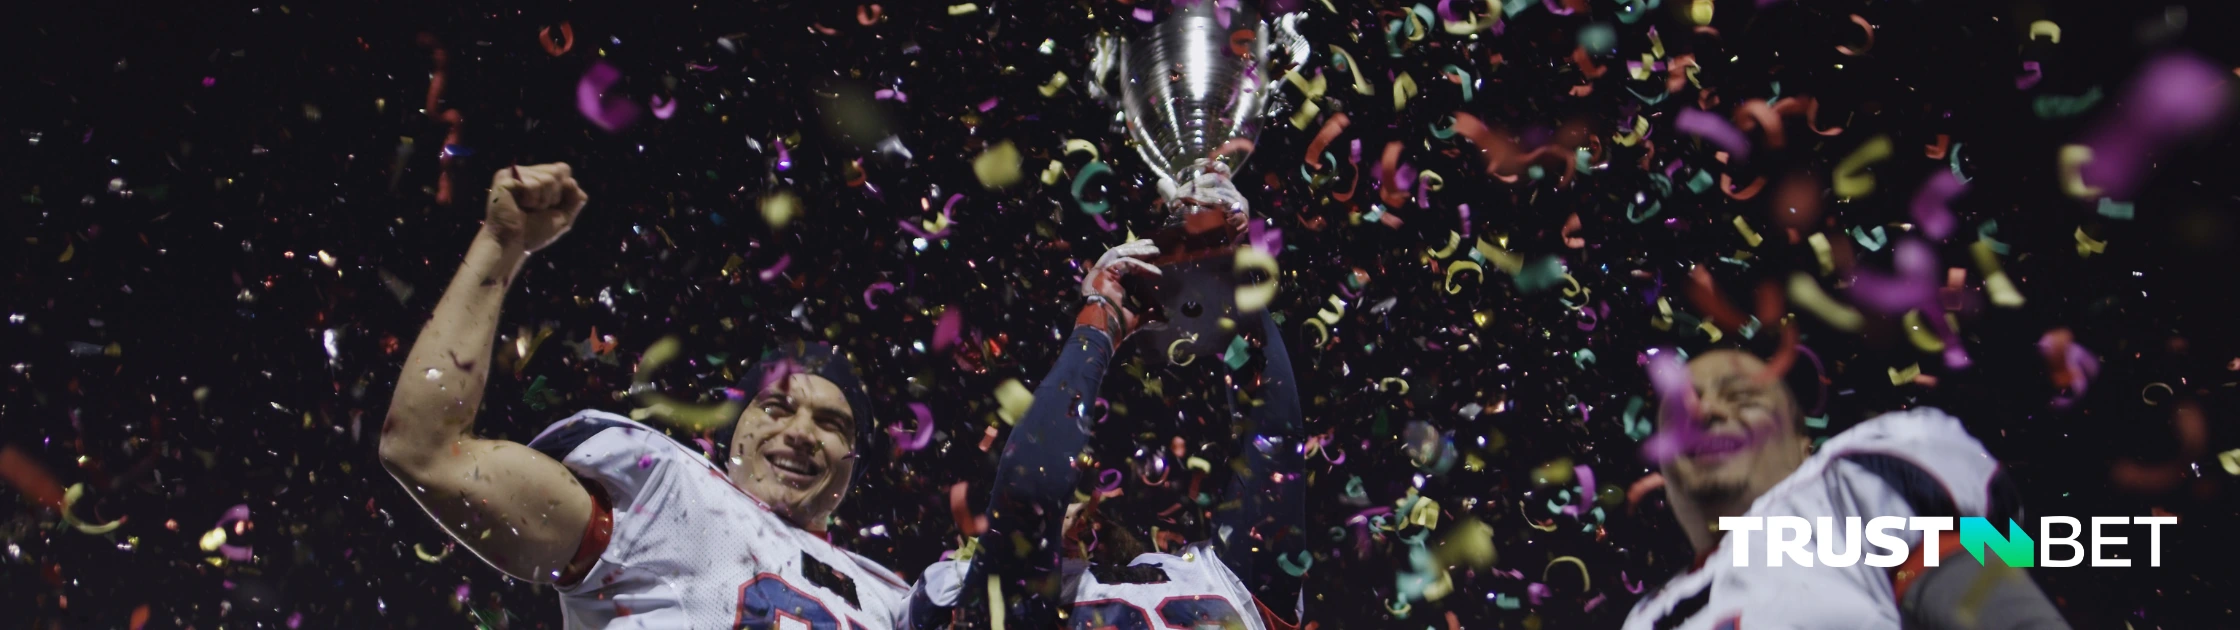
[796, 446]
[1753, 433]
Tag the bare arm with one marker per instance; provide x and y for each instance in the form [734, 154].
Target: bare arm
[520, 510]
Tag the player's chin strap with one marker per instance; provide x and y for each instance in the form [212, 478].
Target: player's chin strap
[1963, 593]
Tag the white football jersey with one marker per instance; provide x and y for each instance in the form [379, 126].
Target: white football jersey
[1200, 594]
[690, 550]
[1918, 462]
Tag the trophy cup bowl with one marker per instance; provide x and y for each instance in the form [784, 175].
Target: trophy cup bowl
[1193, 90]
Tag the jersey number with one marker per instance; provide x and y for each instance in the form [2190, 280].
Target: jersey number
[1185, 613]
[767, 602]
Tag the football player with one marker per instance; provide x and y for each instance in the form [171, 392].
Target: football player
[634, 529]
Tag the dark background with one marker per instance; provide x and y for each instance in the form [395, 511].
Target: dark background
[172, 172]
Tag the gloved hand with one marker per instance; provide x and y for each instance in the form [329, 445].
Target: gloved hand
[1211, 188]
[1101, 287]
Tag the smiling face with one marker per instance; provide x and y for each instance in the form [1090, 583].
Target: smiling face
[1751, 435]
[794, 449]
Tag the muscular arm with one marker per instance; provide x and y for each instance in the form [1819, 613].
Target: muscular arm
[1261, 516]
[520, 510]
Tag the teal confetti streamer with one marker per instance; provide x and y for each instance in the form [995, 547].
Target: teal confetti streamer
[2057, 106]
[1081, 180]
[1874, 242]
[1583, 358]
[1984, 232]
[1636, 426]
[1702, 181]
[1631, 11]
[2118, 210]
[1238, 353]
[1468, 92]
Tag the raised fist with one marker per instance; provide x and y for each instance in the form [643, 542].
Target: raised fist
[534, 205]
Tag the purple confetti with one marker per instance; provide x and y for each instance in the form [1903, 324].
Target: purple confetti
[1931, 204]
[611, 115]
[1717, 130]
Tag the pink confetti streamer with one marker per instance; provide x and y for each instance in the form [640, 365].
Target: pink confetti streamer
[945, 331]
[1717, 130]
[2079, 361]
[908, 441]
[1931, 204]
[611, 115]
[878, 287]
[2175, 96]
[663, 108]
[775, 270]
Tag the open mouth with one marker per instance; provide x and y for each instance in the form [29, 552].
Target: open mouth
[1710, 449]
[792, 468]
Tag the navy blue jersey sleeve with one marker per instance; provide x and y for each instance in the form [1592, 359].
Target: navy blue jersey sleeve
[1261, 517]
[1034, 481]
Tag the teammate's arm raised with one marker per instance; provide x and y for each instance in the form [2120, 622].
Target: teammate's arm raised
[520, 510]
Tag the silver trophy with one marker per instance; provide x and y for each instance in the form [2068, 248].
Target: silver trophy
[1193, 90]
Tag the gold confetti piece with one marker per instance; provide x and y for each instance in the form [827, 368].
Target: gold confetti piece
[779, 208]
[1663, 319]
[2002, 290]
[1050, 88]
[432, 558]
[68, 251]
[1425, 513]
[1175, 349]
[1253, 298]
[1503, 259]
[1454, 241]
[212, 539]
[1806, 293]
[2086, 246]
[70, 499]
[1633, 136]
[1923, 338]
[1074, 145]
[1322, 332]
[1711, 331]
[1305, 115]
[1585, 583]
[995, 601]
[1198, 464]
[1852, 179]
[1556, 472]
[998, 167]
[2073, 159]
[1403, 88]
[1473, 25]
[2046, 28]
[1460, 266]
[2231, 461]
[1700, 11]
[1822, 252]
[1748, 235]
[1387, 382]
[1468, 543]
[1313, 89]
[1336, 311]
[961, 9]
[1901, 377]
[1013, 399]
